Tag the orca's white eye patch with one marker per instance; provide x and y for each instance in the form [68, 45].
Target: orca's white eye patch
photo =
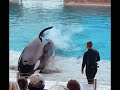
[25, 62]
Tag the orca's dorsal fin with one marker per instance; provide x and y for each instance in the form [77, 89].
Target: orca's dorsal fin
[42, 32]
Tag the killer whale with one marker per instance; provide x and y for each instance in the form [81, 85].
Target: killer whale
[40, 49]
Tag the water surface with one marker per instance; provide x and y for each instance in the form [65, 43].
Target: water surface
[73, 27]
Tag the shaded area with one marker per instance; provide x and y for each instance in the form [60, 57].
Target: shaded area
[15, 9]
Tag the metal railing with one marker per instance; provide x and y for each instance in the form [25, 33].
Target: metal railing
[95, 84]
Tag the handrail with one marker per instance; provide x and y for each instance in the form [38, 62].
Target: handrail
[95, 84]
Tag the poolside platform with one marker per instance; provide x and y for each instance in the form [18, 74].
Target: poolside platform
[48, 84]
[15, 1]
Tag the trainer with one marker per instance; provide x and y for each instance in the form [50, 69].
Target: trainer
[90, 59]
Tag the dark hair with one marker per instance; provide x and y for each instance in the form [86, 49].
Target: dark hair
[89, 43]
[73, 85]
[23, 83]
[36, 87]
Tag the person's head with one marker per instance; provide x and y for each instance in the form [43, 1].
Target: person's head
[36, 82]
[58, 87]
[73, 85]
[89, 44]
[13, 85]
[23, 83]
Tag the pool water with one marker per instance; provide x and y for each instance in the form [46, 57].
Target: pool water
[73, 27]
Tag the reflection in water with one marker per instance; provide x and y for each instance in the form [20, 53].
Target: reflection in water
[15, 9]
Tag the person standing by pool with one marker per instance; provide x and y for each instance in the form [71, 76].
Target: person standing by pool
[90, 59]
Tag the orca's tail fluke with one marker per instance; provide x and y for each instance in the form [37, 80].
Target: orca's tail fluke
[42, 32]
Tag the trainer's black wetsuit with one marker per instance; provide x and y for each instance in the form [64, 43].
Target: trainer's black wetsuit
[90, 59]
